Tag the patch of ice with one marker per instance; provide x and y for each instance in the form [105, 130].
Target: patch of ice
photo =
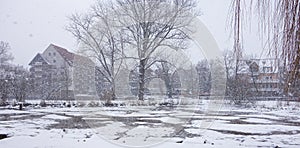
[261, 116]
[216, 117]
[56, 117]
[145, 136]
[171, 120]
[9, 111]
[251, 128]
[95, 118]
[257, 120]
[111, 130]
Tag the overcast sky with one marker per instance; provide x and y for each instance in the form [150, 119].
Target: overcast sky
[29, 26]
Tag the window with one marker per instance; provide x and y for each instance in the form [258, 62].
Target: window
[54, 54]
[54, 61]
[38, 76]
[267, 69]
[49, 54]
[38, 63]
[37, 69]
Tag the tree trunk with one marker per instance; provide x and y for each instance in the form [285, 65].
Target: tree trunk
[113, 90]
[292, 74]
[169, 91]
[20, 106]
[67, 93]
[168, 85]
[142, 79]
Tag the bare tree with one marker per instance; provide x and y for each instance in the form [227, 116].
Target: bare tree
[167, 72]
[47, 85]
[5, 55]
[5, 58]
[65, 81]
[100, 40]
[4, 89]
[279, 21]
[240, 79]
[149, 26]
[204, 77]
[20, 84]
[231, 67]
[144, 26]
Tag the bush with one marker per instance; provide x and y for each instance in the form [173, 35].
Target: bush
[14, 102]
[93, 104]
[43, 103]
[3, 103]
[106, 95]
[81, 104]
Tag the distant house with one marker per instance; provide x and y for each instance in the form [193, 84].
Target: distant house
[60, 74]
[264, 76]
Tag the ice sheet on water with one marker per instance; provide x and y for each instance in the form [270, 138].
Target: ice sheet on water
[56, 117]
[2, 112]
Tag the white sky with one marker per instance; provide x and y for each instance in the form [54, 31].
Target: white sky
[29, 26]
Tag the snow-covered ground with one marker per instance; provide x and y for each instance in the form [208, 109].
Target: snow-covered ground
[269, 124]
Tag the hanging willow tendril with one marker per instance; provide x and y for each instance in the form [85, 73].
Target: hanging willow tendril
[279, 22]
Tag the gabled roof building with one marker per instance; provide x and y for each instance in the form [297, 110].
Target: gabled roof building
[60, 74]
[265, 76]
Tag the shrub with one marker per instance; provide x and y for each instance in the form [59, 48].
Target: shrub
[14, 102]
[81, 104]
[93, 104]
[3, 103]
[43, 103]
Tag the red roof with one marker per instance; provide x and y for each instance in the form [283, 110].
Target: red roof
[68, 56]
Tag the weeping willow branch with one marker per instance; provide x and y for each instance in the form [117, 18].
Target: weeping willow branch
[279, 21]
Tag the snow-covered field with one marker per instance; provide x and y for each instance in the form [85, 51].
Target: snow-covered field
[269, 124]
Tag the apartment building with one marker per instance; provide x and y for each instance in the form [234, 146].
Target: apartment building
[264, 76]
[60, 74]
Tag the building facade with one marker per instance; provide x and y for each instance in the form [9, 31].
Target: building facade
[264, 77]
[60, 74]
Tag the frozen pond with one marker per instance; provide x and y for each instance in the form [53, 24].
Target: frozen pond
[181, 126]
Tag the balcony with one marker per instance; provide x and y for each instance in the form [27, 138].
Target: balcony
[266, 89]
[265, 81]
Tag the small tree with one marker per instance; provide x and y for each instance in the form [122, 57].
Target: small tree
[47, 86]
[20, 84]
[240, 79]
[5, 58]
[167, 72]
[4, 88]
[204, 77]
[64, 77]
[5, 55]
[100, 40]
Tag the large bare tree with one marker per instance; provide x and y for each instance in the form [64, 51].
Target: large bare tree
[150, 26]
[142, 27]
